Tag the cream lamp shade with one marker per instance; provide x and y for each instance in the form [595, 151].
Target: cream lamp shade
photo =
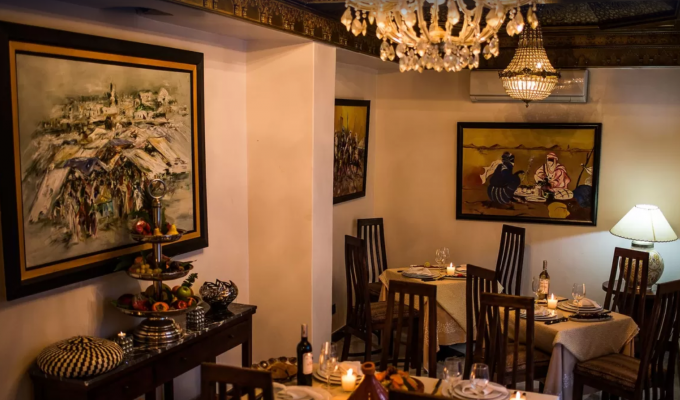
[644, 223]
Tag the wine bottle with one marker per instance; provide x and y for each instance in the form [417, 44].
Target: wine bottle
[305, 360]
[544, 282]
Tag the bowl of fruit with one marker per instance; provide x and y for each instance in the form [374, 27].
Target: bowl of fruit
[170, 302]
[394, 379]
[166, 233]
[167, 270]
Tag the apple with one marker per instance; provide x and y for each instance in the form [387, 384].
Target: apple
[184, 292]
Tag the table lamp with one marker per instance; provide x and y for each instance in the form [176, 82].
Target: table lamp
[645, 224]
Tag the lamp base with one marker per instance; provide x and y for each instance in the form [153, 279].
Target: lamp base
[656, 265]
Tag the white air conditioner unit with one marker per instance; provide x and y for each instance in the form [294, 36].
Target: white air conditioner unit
[486, 86]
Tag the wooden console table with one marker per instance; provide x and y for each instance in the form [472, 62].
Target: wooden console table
[144, 370]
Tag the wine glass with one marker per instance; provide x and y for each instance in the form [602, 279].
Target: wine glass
[479, 377]
[453, 370]
[445, 254]
[329, 361]
[438, 258]
[536, 289]
[578, 292]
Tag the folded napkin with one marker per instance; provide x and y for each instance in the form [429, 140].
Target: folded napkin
[342, 368]
[467, 389]
[589, 303]
[419, 271]
[305, 392]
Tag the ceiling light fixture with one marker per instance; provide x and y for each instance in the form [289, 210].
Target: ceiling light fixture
[421, 44]
[530, 76]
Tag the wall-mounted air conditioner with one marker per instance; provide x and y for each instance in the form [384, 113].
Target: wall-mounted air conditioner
[486, 86]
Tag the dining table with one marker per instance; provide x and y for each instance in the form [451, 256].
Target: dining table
[567, 342]
[337, 393]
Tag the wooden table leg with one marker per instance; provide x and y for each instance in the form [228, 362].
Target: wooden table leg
[247, 353]
[169, 391]
[150, 395]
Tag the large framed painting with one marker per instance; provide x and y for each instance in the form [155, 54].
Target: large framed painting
[516, 172]
[86, 123]
[350, 160]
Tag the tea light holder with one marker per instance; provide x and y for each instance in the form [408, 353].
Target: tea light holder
[196, 319]
[349, 381]
[518, 396]
[451, 270]
[124, 341]
[552, 302]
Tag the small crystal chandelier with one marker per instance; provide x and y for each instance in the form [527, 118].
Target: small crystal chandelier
[530, 76]
[420, 44]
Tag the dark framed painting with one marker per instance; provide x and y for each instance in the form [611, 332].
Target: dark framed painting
[535, 173]
[350, 159]
[86, 123]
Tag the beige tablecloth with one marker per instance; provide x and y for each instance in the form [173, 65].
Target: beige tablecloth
[338, 394]
[450, 305]
[571, 342]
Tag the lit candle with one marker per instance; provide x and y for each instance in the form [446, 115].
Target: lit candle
[552, 302]
[519, 396]
[121, 335]
[349, 381]
[451, 270]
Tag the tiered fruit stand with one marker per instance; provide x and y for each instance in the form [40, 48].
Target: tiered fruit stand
[159, 329]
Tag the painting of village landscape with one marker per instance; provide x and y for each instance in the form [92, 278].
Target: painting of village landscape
[351, 149]
[91, 137]
[528, 172]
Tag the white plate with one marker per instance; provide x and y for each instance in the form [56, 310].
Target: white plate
[499, 393]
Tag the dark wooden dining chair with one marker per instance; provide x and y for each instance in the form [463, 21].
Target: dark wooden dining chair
[627, 288]
[372, 231]
[402, 395]
[400, 297]
[509, 360]
[363, 316]
[651, 376]
[479, 280]
[510, 259]
[243, 382]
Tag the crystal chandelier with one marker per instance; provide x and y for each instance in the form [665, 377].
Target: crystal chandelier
[530, 76]
[421, 44]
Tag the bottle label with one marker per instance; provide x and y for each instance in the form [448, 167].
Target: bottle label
[307, 363]
[545, 286]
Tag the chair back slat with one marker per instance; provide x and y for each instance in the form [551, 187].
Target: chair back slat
[627, 288]
[244, 381]
[372, 231]
[659, 340]
[421, 299]
[511, 259]
[358, 303]
[502, 340]
[479, 280]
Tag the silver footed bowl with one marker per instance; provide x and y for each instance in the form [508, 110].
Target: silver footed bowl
[219, 294]
[158, 238]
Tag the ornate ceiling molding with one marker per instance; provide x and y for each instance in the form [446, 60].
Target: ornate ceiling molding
[566, 48]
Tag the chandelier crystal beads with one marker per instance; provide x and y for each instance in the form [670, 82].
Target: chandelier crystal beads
[423, 43]
[530, 76]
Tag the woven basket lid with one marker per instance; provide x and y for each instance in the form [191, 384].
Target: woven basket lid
[80, 357]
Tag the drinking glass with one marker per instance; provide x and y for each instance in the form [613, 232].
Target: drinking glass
[444, 254]
[453, 370]
[536, 288]
[438, 257]
[329, 361]
[578, 292]
[479, 377]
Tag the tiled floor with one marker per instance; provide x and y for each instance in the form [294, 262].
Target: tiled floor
[357, 346]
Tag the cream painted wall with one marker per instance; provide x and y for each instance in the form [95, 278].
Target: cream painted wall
[288, 101]
[32, 323]
[356, 83]
[416, 163]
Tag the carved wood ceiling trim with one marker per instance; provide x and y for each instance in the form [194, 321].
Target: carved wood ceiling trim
[566, 48]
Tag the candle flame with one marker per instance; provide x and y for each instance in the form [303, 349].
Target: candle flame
[552, 296]
[517, 397]
[349, 372]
